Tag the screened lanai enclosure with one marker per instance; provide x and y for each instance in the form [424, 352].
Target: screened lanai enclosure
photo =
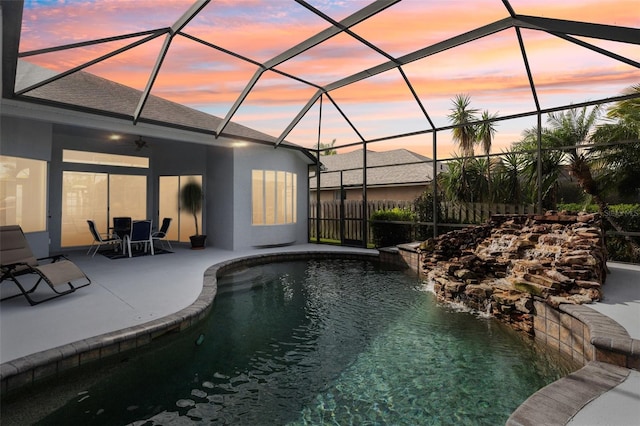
[431, 115]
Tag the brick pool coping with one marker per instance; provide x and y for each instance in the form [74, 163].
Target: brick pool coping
[27, 370]
[559, 402]
[556, 403]
[588, 337]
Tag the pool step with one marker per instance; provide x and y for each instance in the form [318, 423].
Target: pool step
[240, 280]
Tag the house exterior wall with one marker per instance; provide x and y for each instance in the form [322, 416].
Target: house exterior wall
[219, 209]
[42, 132]
[21, 137]
[26, 138]
[226, 180]
[165, 159]
[247, 235]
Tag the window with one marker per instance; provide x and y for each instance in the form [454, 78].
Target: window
[86, 157]
[274, 196]
[23, 193]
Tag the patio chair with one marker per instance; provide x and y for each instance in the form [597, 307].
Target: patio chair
[18, 263]
[161, 234]
[101, 239]
[140, 234]
[122, 226]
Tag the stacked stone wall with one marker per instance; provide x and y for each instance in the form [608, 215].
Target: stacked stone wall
[503, 266]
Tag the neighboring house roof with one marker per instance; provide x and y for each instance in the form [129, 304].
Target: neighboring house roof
[82, 89]
[386, 168]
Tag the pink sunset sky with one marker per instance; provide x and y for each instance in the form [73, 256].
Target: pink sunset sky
[490, 70]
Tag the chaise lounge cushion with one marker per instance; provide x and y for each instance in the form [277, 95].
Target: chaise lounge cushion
[15, 248]
[61, 272]
[17, 261]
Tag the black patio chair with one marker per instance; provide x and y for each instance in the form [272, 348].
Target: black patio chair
[161, 234]
[140, 234]
[101, 239]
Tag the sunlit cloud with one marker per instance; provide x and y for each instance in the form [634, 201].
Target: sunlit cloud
[491, 70]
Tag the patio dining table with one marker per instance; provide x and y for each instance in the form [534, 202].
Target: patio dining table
[121, 226]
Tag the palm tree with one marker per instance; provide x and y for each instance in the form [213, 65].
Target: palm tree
[452, 182]
[572, 128]
[327, 148]
[464, 180]
[463, 133]
[487, 130]
[551, 170]
[508, 178]
[627, 110]
[485, 134]
[618, 145]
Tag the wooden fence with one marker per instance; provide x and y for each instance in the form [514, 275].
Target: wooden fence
[347, 227]
[480, 212]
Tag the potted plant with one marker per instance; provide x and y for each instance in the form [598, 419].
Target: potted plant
[191, 200]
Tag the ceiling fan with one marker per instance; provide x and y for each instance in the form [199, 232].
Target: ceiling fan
[140, 143]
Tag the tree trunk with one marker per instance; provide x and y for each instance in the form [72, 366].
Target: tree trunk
[195, 218]
[581, 171]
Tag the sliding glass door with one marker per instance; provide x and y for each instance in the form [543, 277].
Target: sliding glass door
[183, 224]
[128, 197]
[168, 204]
[99, 197]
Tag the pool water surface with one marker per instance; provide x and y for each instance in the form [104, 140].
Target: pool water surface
[311, 342]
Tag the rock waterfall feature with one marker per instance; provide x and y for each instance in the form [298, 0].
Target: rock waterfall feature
[501, 267]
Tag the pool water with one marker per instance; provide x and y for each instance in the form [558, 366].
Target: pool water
[333, 342]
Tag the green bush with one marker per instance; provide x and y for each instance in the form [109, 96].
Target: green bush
[628, 217]
[578, 207]
[386, 229]
[423, 207]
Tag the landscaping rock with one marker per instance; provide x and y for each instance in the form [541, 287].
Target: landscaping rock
[501, 266]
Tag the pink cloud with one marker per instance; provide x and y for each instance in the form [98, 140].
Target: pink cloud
[491, 70]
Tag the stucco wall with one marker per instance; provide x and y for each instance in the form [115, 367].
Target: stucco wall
[226, 172]
[220, 198]
[165, 159]
[267, 158]
[32, 139]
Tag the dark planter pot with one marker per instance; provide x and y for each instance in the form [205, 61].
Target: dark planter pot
[197, 241]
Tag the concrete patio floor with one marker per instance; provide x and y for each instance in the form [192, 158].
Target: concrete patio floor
[130, 292]
[123, 293]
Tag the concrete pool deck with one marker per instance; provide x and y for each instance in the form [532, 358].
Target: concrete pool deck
[131, 292]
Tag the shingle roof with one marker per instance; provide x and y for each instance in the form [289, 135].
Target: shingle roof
[386, 168]
[96, 93]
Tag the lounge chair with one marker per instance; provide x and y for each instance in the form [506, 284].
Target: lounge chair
[100, 239]
[17, 260]
[161, 234]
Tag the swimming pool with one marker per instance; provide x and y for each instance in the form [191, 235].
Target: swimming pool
[311, 342]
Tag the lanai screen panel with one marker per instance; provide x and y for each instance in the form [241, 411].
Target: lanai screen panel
[512, 57]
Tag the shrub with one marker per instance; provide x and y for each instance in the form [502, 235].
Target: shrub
[423, 207]
[388, 229]
[578, 207]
